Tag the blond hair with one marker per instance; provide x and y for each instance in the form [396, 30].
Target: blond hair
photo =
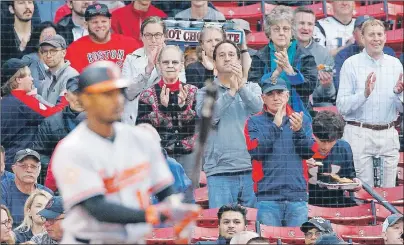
[372, 22]
[28, 222]
[12, 237]
[21, 73]
[278, 14]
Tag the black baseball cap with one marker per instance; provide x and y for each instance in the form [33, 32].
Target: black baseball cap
[100, 77]
[10, 67]
[95, 10]
[72, 84]
[321, 224]
[24, 153]
[361, 19]
[271, 85]
[53, 208]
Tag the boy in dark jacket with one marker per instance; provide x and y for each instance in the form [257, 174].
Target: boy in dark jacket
[328, 155]
[282, 191]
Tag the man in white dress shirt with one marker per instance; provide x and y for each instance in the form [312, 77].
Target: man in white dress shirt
[370, 97]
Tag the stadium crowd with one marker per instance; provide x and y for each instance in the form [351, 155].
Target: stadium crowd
[316, 107]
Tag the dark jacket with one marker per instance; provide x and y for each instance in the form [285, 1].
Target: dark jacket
[282, 167]
[53, 129]
[348, 52]
[65, 28]
[340, 156]
[21, 115]
[303, 63]
[196, 74]
[175, 125]
[220, 241]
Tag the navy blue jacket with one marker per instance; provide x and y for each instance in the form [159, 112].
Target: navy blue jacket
[282, 166]
[348, 52]
[21, 115]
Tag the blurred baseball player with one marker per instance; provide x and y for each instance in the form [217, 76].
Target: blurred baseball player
[106, 171]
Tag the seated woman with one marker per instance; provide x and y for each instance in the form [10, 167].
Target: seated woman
[284, 58]
[169, 106]
[6, 234]
[32, 224]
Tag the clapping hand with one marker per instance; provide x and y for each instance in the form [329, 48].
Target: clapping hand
[182, 96]
[152, 56]
[282, 60]
[279, 114]
[237, 70]
[206, 61]
[165, 96]
[296, 121]
[325, 78]
[370, 84]
[399, 85]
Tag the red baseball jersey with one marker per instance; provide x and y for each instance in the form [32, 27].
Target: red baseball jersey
[84, 51]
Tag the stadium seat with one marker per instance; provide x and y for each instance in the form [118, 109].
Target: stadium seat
[208, 217]
[203, 181]
[289, 235]
[251, 13]
[401, 161]
[257, 40]
[201, 197]
[360, 234]
[161, 236]
[378, 11]
[382, 212]
[318, 9]
[225, 4]
[393, 195]
[358, 215]
[395, 39]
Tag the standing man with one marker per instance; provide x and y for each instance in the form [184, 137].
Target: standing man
[100, 44]
[53, 51]
[15, 37]
[335, 32]
[355, 48]
[227, 162]
[73, 26]
[282, 192]
[304, 20]
[200, 10]
[369, 99]
[90, 184]
[127, 20]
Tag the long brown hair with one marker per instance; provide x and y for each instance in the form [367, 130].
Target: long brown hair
[11, 240]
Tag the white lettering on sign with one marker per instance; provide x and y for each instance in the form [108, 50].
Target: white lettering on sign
[192, 35]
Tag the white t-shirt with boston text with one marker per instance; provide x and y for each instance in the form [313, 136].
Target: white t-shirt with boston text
[126, 170]
[336, 33]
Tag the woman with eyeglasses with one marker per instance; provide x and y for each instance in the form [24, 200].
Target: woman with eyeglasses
[6, 234]
[169, 106]
[33, 224]
[140, 67]
[284, 58]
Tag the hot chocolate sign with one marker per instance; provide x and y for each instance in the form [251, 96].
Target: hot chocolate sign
[192, 35]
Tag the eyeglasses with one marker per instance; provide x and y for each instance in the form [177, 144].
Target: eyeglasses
[7, 223]
[50, 51]
[311, 234]
[26, 166]
[167, 62]
[157, 36]
[277, 29]
[52, 221]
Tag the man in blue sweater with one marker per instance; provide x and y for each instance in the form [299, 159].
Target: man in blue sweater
[282, 192]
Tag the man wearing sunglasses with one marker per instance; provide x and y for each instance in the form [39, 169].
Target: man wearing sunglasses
[53, 214]
[314, 228]
[14, 192]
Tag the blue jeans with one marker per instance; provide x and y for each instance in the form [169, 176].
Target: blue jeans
[282, 213]
[233, 189]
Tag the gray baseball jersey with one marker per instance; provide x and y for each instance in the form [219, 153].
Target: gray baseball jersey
[126, 170]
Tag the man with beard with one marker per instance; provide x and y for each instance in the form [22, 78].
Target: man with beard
[100, 44]
[16, 36]
[14, 192]
[118, 173]
[73, 26]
